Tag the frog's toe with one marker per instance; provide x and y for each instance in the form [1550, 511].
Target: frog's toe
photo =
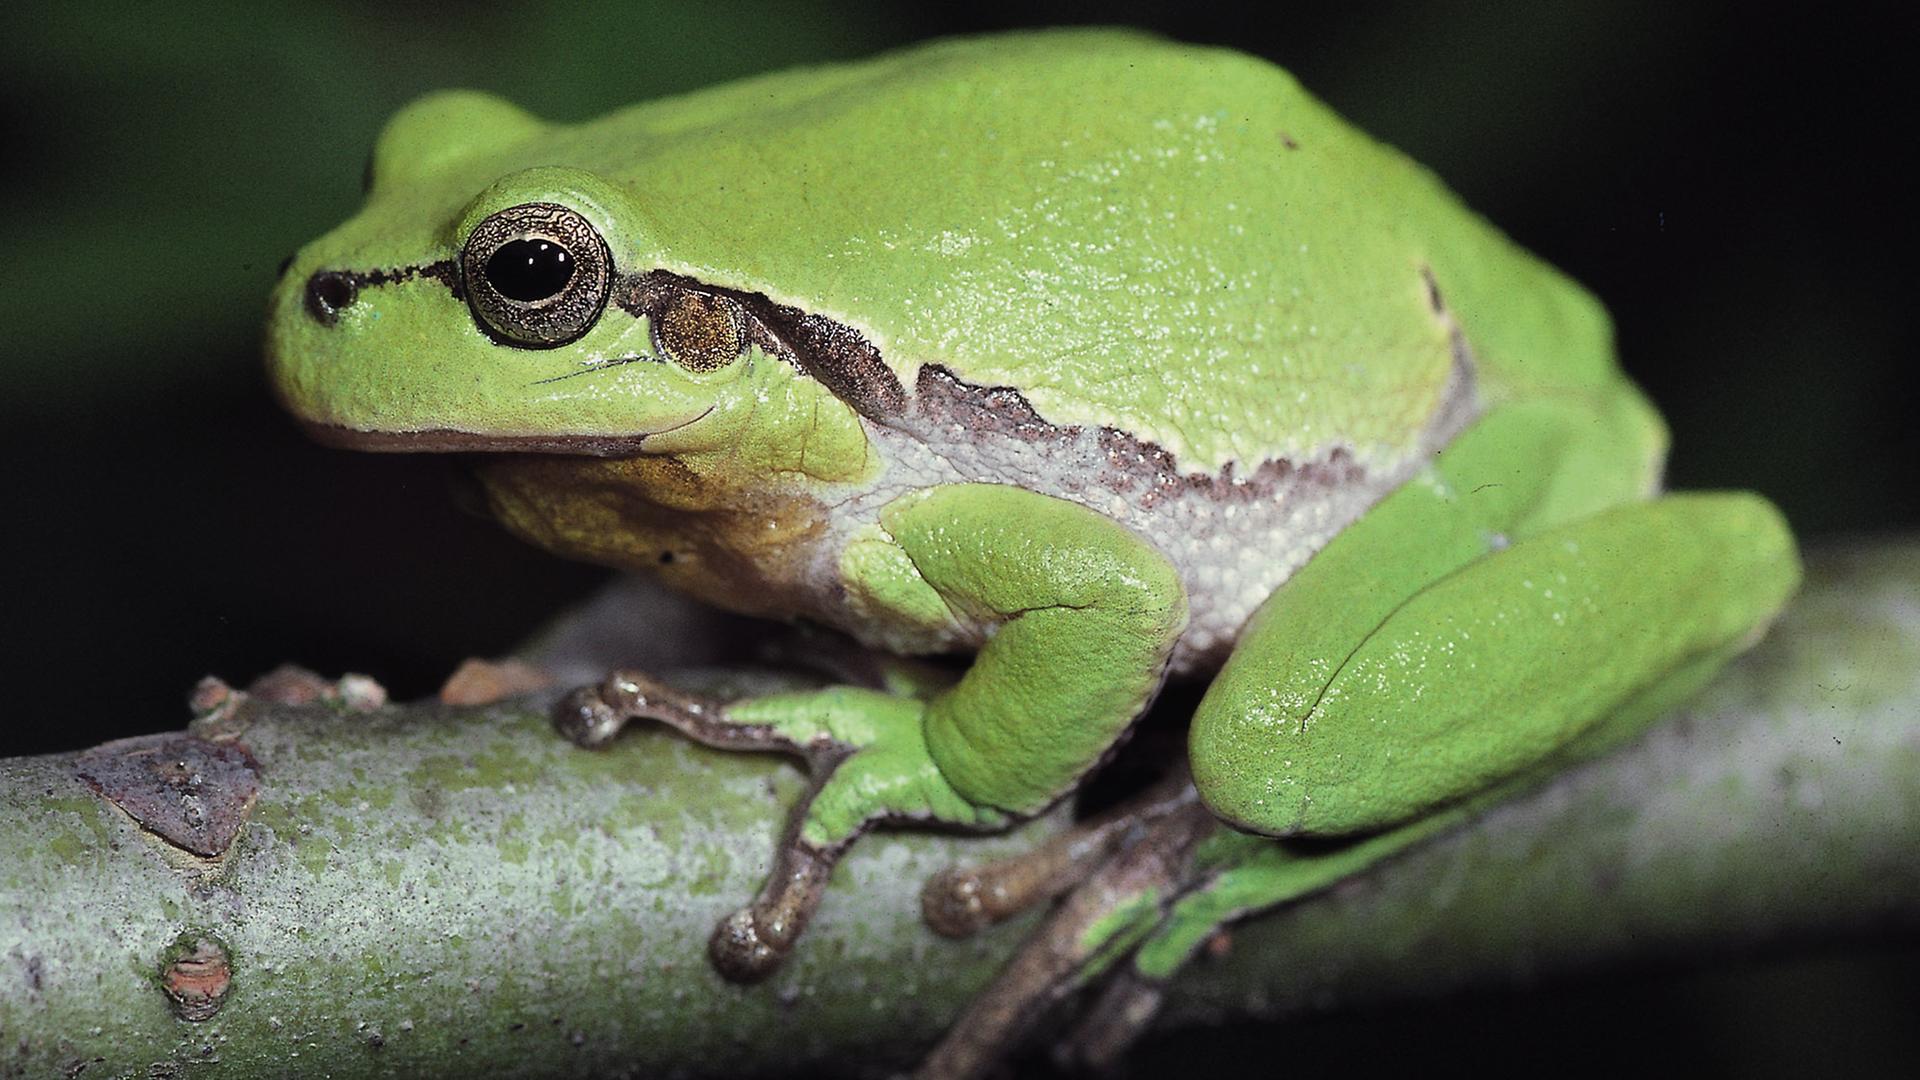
[585, 719]
[865, 750]
[752, 943]
[742, 952]
[592, 715]
[955, 902]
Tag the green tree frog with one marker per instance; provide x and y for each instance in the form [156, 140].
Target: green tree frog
[1103, 359]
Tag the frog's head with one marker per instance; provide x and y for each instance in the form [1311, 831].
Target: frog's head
[499, 293]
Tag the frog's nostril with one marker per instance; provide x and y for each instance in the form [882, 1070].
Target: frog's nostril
[328, 291]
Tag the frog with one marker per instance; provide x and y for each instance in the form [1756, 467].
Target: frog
[1100, 361]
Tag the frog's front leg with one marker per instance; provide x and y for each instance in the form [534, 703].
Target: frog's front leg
[866, 756]
[1081, 616]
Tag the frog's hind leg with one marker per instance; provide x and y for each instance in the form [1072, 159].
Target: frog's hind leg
[1234, 875]
[1513, 608]
[1494, 671]
[1475, 625]
[1153, 895]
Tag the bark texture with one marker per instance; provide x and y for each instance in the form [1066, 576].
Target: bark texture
[425, 891]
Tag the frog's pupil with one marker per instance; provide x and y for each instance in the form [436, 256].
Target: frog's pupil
[529, 270]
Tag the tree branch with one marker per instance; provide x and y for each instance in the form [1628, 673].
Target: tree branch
[429, 891]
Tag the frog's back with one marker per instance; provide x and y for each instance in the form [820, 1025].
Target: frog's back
[1173, 242]
[1159, 280]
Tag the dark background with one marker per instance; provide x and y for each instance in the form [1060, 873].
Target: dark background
[1725, 180]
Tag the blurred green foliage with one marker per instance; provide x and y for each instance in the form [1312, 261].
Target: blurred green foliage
[1723, 180]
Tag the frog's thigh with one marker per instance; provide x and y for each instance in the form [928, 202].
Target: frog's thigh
[1483, 672]
[1085, 612]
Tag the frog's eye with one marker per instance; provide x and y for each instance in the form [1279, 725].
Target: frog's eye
[699, 331]
[537, 275]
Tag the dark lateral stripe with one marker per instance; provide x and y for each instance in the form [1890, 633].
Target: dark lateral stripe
[844, 361]
[1137, 469]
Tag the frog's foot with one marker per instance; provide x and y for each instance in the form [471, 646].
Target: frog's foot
[1230, 876]
[1161, 897]
[1099, 922]
[963, 900]
[864, 750]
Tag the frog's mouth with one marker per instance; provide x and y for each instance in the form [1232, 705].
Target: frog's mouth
[448, 441]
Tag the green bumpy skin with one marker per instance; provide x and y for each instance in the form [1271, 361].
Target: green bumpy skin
[1070, 349]
[1174, 242]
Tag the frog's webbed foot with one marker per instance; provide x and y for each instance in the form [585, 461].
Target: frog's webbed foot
[750, 943]
[1138, 868]
[963, 900]
[866, 757]
[1160, 898]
